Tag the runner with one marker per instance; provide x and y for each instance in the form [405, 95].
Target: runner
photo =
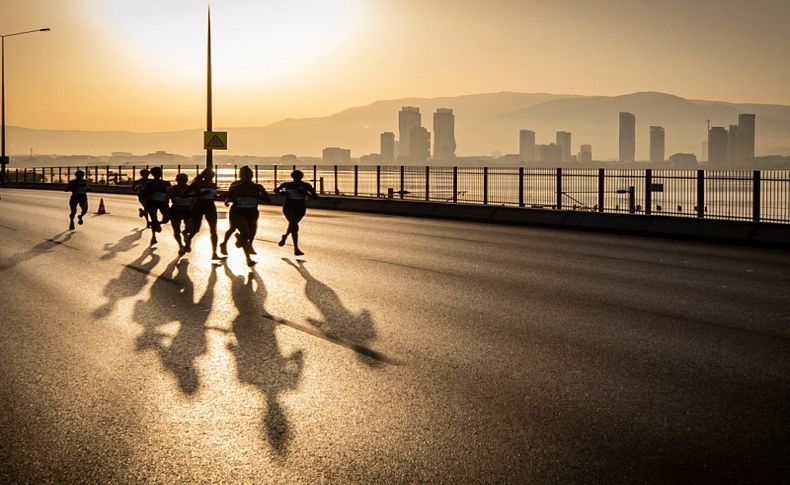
[138, 187]
[181, 210]
[155, 195]
[223, 246]
[294, 206]
[245, 195]
[79, 196]
[205, 191]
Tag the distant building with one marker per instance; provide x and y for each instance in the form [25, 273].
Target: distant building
[683, 160]
[336, 155]
[657, 140]
[746, 129]
[370, 159]
[627, 137]
[289, 159]
[564, 142]
[387, 147]
[444, 135]
[526, 145]
[733, 140]
[717, 145]
[408, 118]
[121, 154]
[585, 154]
[419, 145]
[550, 153]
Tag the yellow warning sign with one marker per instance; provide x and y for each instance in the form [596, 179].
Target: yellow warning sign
[215, 140]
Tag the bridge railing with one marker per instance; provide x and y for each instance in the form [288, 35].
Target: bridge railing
[719, 194]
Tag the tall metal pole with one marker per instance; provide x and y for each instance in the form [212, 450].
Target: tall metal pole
[209, 152]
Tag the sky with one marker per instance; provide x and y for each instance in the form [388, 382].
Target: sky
[139, 65]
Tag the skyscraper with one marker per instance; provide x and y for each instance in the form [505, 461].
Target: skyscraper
[564, 142]
[444, 135]
[717, 145]
[657, 143]
[387, 147]
[585, 153]
[746, 129]
[627, 137]
[526, 146]
[419, 145]
[550, 153]
[409, 117]
[733, 142]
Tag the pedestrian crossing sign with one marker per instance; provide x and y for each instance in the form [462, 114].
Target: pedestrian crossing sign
[215, 140]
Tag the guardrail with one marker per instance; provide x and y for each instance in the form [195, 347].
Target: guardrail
[759, 196]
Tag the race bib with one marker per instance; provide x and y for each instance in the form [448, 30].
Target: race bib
[246, 202]
[158, 196]
[208, 193]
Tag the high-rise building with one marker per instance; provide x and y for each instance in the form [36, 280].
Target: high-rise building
[444, 135]
[585, 154]
[387, 147]
[526, 145]
[746, 129]
[733, 140]
[627, 137]
[564, 142]
[336, 155]
[717, 145]
[409, 117]
[550, 153]
[657, 143]
[419, 145]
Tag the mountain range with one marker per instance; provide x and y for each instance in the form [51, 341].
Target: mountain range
[484, 123]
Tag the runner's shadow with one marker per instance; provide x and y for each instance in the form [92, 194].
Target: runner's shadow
[172, 299]
[129, 282]
[124, 244]
[337, 320]
[259, 360]
[45, 246]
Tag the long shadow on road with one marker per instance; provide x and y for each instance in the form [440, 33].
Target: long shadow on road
[126, 243]
[45, 246]
[260, 362]
[131, 280]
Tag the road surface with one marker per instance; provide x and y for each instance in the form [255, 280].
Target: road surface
[397, 350]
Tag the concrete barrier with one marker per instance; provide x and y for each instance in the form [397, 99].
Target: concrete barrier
[743, 232]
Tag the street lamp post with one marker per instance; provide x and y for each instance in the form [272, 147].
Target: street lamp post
[3, 157]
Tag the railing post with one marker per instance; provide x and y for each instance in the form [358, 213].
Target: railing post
[648, 191]
[700, 193]
[275, 175]
[455, 184]
[356, 180]
[337, 191]
[107, 175]
[559, 188]
[378, 180]
[521, 186]
[134, 174]
[197, 169]
[632, 199]
[401, 181]
[60, 175]
[756, 196]
[427, 183]
[256, 174]
[315, 174]
[485, 185]
[601, 188]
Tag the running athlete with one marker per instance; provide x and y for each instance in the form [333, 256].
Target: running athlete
[181, 210]
[205, 191]
[79, 196]
[294, 206]
[223, 246]
[155, 195]
[138, 187]
[245, 195]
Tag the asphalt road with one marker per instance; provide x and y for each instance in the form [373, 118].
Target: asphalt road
[397, 350]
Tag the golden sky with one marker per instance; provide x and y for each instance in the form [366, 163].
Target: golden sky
[139, 65]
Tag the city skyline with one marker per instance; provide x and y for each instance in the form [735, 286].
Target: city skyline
[138, 65]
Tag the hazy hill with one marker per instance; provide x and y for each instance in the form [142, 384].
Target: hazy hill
[484, 123]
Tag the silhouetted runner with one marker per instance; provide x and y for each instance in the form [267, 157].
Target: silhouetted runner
[138, 187]
[181, 211]
[245, 195]
[205, 191]
[79, 197]
[294, 206]
[155, 195]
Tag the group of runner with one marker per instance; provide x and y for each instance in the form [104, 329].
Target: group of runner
[185, 205]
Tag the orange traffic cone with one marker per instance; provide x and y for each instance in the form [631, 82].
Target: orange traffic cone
[101, 210]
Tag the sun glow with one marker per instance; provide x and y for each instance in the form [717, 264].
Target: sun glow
[253, 42]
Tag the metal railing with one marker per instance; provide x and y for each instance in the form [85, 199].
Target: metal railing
[761, 196]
